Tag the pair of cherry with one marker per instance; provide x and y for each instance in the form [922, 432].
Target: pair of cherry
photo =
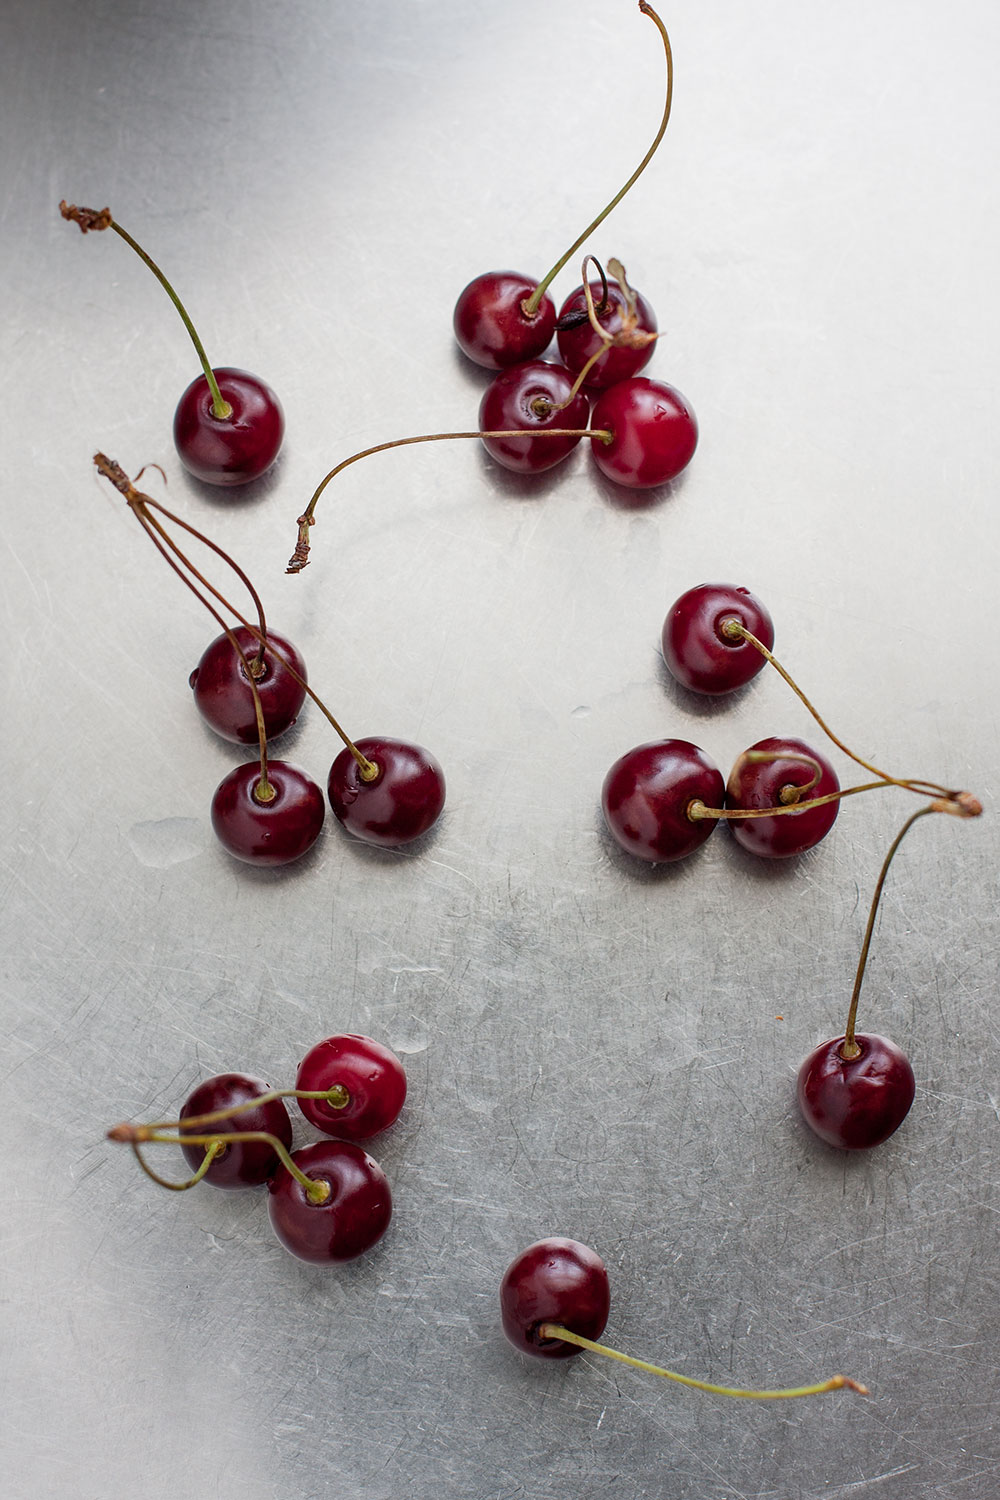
[327, 1202]
[250, 686]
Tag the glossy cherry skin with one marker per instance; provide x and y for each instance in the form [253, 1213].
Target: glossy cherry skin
[507, 403]
[490, 323]
[222, 691]
[268, 833]
[373, 1077]
[400, 804]
[696, 651]
[235, 449]
[647, 794]
[554, 1281]
[244, 1163]
[856, 1104]
[760, 784]
[353, 1218]
[579, 342]
[654, 433]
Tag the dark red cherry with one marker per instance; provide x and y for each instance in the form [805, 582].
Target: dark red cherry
[761, 784]
[578, 342]
[235, 449]
[696, 649]
[222, 692]
[491, 325]
[243, 1163]
[373, 1077]
[554, 1281]
[859, 1102]
[353, 1218]
[522, 397]
[654, 433]
[401, 803]
[268, 833]
[647, 795]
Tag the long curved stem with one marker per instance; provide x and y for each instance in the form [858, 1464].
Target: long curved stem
[531, 303]
[300, 557]
[849, 1048]
[336, 1096]
[316, 1191]
[835, 1383]
[189, 1182]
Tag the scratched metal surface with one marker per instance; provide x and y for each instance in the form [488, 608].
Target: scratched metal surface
[593, 1050]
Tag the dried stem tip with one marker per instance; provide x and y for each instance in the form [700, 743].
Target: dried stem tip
[128, 1134]
[87, 218]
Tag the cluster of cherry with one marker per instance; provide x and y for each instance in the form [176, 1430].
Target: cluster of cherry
[327, 1202]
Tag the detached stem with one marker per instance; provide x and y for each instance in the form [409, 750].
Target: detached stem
[531, 304]
[835, 1383]
[300, 556]
[849, 1048]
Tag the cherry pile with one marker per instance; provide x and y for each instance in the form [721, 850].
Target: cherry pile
[249, 686]
[327, 1202]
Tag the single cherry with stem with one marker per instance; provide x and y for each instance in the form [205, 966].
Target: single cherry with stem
[351, 1087]
[648, 795]
[788, 774]
[399, 803]
[228, 425]
[704, 637]
[503, 318]
[554, 1302]
[222, 692]
[535, 397]
[349, 1220]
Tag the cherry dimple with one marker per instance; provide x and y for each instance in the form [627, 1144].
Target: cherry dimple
[274, 832]
[696, 648]
[403, 800]
[354, 1216]
[372, 1076]
[858, 1102]
[524, 398]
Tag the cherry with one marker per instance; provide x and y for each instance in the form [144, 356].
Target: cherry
[856, 1102]
[492, 326]
[268, 831]
[222, 692]
[647, 796]
[528, 396]
[771, 782]
[228, 425]
[554, 1281]
[351, 1219]
[398, 803]
[701, 647]
[578, 341]
[370, 1077]
[243, 1163]
[653, 433]
[234, 449]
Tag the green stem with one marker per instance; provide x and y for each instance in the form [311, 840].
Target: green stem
[220, 407]
[336, 1096]
[180, 1187]
[835, 1383]
[849, 1048]
[532, 303]
[315, 1190]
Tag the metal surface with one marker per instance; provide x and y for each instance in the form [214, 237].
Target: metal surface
[593, 1049]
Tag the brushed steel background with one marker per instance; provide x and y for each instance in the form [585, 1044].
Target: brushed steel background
[593, 1049]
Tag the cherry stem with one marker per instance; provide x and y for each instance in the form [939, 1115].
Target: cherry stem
[697, 811]
[315, 1190]
[300, 557]
[849, 1048]
[531, 304]
[211, 1153]
[337, 1096]
[140, 505]
[835, 1383]
[89, 218]
[734, 629]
